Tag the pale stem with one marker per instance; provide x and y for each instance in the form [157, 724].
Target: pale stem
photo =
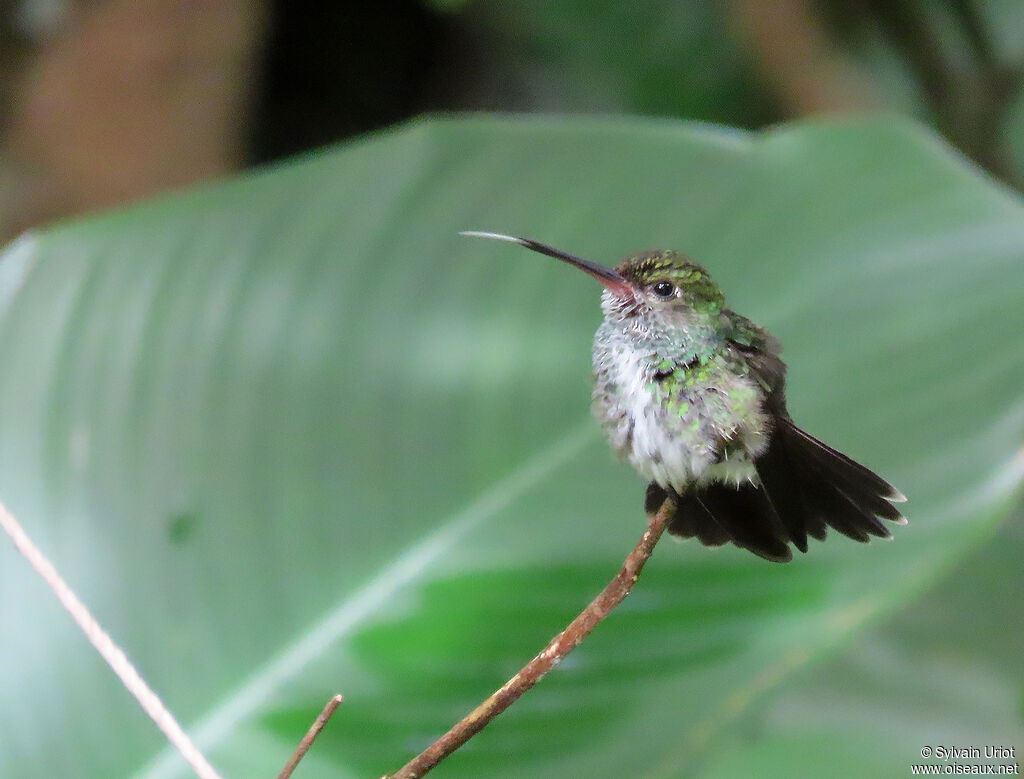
[108, 650]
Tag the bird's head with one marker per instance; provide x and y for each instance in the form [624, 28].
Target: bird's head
[657, 292]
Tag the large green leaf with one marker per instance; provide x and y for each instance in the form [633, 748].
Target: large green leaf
[946, 670]
[291, 436]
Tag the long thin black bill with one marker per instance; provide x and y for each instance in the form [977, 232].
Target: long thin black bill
[607, 276]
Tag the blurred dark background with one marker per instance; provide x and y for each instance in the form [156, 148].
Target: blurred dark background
[107, 101]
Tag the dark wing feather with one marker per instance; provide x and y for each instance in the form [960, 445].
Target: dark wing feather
[782, 485]
[832, 488]
[804, 485]
[838, 465]
[749, 518]
[715, 514]
[691, 519]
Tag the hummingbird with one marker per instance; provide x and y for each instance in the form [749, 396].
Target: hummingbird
[693, 396]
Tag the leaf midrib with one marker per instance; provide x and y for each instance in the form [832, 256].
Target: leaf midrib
[354, 608]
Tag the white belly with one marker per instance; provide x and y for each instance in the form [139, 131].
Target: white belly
[673, 445]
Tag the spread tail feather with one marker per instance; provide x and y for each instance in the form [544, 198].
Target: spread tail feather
[804, 487]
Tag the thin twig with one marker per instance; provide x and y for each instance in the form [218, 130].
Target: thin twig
[310, 737]
[108, 650]
[560, 646]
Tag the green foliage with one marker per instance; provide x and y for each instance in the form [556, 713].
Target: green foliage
[947, 669]
[657, 58]
[291, 436]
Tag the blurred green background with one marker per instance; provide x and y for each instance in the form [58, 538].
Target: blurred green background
[102, 101]
[239, 383]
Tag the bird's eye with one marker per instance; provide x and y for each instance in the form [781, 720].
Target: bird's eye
[664, 289]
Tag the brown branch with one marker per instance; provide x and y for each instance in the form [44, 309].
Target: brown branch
[560, 646]
[310, 737]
